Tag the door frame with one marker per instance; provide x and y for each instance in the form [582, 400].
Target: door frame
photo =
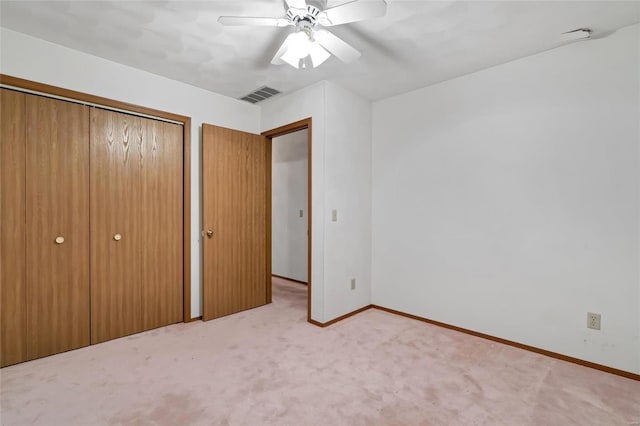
[55, 92]
[303, 124]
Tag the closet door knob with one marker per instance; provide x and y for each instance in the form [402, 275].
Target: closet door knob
[117, 237]
[210, 233]
[59, 240]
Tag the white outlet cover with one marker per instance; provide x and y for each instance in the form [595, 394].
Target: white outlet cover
[593, 321]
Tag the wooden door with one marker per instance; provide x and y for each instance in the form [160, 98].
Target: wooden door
[161, 222]
[116, 271]
[13, 315]
[57, 225]
[235, 181]
[136, 224]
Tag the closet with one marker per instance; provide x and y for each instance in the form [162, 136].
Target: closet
[91, 213]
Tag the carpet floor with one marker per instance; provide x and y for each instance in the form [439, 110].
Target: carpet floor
[268, 366]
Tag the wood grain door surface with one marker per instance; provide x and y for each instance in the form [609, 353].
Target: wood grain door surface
[116, 289]
[161, 230]
[57, 207]
[13, 313]
[91, 212]
[136, 224]
[235, 173]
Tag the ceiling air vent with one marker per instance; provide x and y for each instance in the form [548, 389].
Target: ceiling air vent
[260, 94]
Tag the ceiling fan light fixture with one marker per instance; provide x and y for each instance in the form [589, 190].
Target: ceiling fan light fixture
[318, 54]
[300, 45]
[297, 48]
[303, 51]
[292, 60]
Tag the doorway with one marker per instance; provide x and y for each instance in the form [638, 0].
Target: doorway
[291, 208]
[289, 202]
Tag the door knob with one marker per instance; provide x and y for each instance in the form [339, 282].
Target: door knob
[117, 237]
[209, 233]
[59, 240]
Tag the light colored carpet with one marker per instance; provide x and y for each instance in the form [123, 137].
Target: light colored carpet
[269, 366]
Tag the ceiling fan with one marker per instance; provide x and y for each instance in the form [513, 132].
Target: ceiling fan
[309, 45]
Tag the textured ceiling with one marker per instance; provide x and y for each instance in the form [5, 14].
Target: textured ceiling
[416, 44]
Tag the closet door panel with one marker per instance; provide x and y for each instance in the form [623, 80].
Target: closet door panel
[13, 318]
[57, 231]
[161, 224]
[116, 290]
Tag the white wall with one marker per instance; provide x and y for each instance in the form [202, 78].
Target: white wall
[507, 201]
[289, 155]
[341, 180]
[34, 59]
[348, 190]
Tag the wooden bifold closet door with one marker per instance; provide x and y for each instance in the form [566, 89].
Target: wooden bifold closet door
[45, 226]
[13, 244]
[136, 224]
[91, 209]
[57, 211]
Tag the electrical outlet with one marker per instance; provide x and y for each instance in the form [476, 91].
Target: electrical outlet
[353, 283]
[593, 321]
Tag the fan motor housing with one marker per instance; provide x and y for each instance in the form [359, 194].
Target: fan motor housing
[310, 15]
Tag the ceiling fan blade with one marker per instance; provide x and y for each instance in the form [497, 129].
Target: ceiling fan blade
[253, 21]
[297, 4]
[352, 12]
[277, 58]
[336, 46]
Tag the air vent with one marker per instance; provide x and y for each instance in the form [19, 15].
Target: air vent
[260, 94]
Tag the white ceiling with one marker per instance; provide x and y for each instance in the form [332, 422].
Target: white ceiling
[416, 44]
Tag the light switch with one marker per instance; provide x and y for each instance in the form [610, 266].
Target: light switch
[301, 213]
[334, 215]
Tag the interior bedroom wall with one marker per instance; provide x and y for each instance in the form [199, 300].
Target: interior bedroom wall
[289, 189]
[341, 180]
[507, 201]
[347, 158]
[34, 59]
